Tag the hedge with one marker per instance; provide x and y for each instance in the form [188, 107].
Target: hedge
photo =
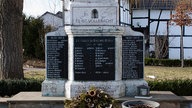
[12, 87]
[166, 62]
[177, 86]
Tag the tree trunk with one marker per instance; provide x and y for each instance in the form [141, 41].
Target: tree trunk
[181, 48]
[11, 50]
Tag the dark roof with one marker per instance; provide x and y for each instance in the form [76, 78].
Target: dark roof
[154, 4]
[58, 14]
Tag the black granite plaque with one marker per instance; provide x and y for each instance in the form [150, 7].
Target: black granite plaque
[132, 57]
[94, 58]
[57, 57]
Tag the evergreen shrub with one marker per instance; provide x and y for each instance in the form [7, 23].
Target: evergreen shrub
[179, 87]
[166, 62]
[34, 31]
[11, 87]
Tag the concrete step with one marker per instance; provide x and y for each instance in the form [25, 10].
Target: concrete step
[35, 100]
[3, 102]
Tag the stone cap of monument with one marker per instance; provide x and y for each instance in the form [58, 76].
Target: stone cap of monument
[59, 32]
[128, 31]
[94, 1]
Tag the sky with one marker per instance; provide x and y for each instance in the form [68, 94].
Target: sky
[38, 7]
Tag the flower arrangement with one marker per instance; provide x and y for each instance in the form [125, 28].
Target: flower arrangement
[94, 98]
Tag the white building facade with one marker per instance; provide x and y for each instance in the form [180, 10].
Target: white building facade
[152, 18]
[51, 19]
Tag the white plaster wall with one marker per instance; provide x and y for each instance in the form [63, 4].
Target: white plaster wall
[175, 42]
[52, 20]
[176, 30]
[188, 53]
[175, 53]
[140, 22]
[124, 14]
[153, 25]
[188, 30]
[173, 30]
[152, 42]
[162, 29]
[140, 13]
[164, 15]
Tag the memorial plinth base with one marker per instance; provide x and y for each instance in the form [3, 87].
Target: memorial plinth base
[53, 88]
[114, 88]
[131, 86]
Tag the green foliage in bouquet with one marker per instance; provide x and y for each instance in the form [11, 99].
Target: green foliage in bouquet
[94, 98]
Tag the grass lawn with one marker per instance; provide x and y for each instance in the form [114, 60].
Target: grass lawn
[35, 74]
[159, 72]
[162, 73]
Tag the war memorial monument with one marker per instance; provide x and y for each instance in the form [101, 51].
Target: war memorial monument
[93, 50]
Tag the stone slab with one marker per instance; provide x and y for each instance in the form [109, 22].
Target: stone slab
[187, 103]
[31, 99]
[131, 86]
[35, 100]
[187, 98]
[56, 57]
[75, 32]
[3, 102]
[166, 99]
[94, 31]
[53, 87]
[92, 58]
[106, 15]
[114, 88]
[92, 12]
[132, 57]
[130, 32]
[165, 96]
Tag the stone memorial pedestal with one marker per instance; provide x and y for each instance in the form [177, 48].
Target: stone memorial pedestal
[56, 45]
[94, 59]
[92, 50]
[93, 56]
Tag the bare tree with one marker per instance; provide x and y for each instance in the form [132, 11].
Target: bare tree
[53, 5]
[161, 47]
[182, 18]
[11, 62]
